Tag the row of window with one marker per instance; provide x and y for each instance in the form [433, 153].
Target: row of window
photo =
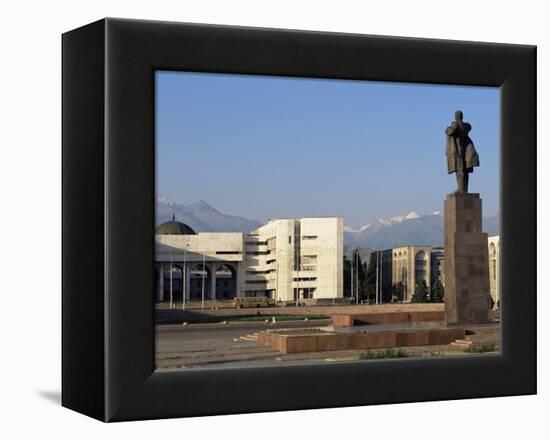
[254, 253]
[309, 258]
[259, 272]
[308, 268]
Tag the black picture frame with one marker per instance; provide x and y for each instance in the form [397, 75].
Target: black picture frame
[108, 218]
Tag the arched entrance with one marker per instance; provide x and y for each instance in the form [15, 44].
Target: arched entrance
[421, 267]
[226, 282]
[493, 261]
[199, 275]
[173, 282]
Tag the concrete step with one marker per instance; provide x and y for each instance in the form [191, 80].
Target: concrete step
[483, 331]
[461, 343]
[482, 338]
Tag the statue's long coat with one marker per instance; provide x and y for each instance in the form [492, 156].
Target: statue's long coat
[461, 153]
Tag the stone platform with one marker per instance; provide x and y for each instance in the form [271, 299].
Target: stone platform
[466, 261]
[313, 341]
[353, 319]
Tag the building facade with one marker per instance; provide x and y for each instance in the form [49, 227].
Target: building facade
[285, 260]
[494, 268]
[406, 265]
[410, 265]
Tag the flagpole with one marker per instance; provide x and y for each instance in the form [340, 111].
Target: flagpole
[377, 271]
[357, 274]
[352, 293]
[203, 274]
[298, 281]
[171, 293]
[184, 280]
[382, 277]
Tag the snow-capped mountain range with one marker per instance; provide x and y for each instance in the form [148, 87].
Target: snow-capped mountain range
[412, 228]
[387, 222]
[401, 230]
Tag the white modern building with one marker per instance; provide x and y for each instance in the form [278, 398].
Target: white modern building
[284, 259]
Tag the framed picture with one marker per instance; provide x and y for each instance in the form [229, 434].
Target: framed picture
[262, 219]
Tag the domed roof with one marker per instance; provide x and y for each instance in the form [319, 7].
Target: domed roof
[174, 228]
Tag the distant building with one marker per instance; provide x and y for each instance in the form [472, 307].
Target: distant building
[437, 263]
[410, 265]
[284, 259]
[494, 268]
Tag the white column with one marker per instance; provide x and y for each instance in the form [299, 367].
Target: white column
[213, 281]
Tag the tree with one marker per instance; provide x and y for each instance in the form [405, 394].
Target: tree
[370, 278]
[397, 292]
[347, 277]
[421, 293]
[362, 273]
[438, 292]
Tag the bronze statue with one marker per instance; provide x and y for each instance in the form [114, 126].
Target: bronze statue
[462, 156]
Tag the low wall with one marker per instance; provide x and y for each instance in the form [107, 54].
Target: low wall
[351, 319]
[296, 343]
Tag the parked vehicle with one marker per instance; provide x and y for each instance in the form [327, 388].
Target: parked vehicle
[252, 302]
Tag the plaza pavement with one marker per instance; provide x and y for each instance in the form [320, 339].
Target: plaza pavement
[234, 344]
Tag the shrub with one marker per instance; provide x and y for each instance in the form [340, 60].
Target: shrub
[421, 293]
[387, 353]
[483, 348]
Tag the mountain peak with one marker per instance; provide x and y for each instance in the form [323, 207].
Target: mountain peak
[203, 204]
[202, 217]
[164, 200]
[399, 218]
[348, 228]
[411, 215]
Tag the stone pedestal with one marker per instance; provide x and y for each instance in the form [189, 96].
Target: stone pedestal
[466, 261]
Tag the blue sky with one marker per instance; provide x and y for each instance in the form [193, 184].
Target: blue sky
[265, 147]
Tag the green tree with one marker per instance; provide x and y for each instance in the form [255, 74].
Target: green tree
[438, 292]
[421, 293]
[397, 292]
[370, 279]
[347, 277]
[359, 274]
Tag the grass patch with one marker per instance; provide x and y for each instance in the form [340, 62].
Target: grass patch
[387, 353]
[198, 318]
[254, 318]
[483, 348]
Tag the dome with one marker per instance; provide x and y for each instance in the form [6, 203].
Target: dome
[174, 228]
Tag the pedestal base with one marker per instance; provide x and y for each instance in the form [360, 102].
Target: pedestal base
[466, 261]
